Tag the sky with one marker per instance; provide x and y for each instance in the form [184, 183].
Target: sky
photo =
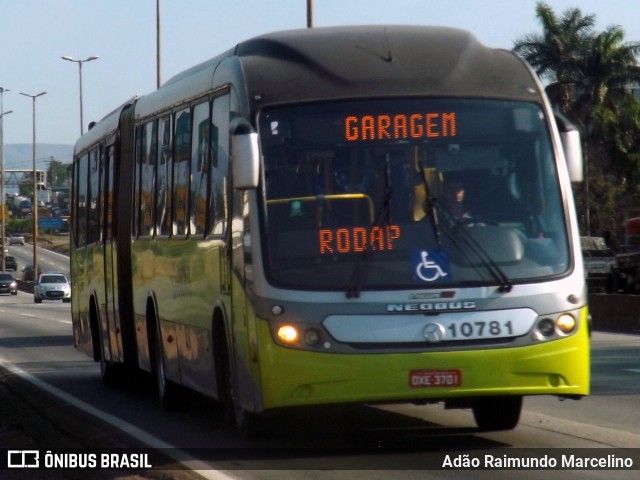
[35, 34]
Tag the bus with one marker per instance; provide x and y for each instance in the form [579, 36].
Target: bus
[272, 229]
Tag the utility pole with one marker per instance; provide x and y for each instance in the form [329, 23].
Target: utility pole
[3, 200]
[309, 13]
[34, 207]
[80, 62]
[157, 43]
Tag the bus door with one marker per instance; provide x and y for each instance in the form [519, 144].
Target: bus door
[110, 334]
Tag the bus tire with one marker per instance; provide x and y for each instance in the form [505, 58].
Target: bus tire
[110, 374]
[167, 391]
[497, 413]
[250, 425]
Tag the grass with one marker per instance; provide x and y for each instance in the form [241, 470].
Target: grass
[57, 243]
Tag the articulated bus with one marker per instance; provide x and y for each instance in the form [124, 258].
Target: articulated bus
[275, 228]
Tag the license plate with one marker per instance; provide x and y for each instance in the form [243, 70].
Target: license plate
[435, 378]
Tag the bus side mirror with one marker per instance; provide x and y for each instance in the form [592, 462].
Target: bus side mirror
[245, 160]
[572, 146]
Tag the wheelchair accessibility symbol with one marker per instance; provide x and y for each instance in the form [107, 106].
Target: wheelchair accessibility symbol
[430, 269]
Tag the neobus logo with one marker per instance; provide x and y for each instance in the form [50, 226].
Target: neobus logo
[430, 307]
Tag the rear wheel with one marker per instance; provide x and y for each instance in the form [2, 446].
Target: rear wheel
[168, 394]
[111, 374]
[497, 413]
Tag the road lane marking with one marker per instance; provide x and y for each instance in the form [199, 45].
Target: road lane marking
[634, 370]
[196, 466]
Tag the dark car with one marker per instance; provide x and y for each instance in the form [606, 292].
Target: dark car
[10, 263]
[27, 273]
[8, 284]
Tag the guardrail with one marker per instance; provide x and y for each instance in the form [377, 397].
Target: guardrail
[615, 312]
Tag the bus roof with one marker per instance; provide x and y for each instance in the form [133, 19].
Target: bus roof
[374, 61]
[106, 126]
[332, 63]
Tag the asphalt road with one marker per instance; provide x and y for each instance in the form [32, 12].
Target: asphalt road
[376, 443]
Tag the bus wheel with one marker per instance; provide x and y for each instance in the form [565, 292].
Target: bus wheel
[110, 373]
[497, 413]
[168, 394]
[249, 424]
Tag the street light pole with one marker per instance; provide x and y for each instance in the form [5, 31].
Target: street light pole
[158, 54]
[309, 13]
[35, 188]
[3, 200]
[80, 62]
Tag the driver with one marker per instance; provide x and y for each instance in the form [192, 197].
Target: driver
[454, 200]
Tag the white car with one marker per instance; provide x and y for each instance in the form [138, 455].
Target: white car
[52, 286]
[16, 239]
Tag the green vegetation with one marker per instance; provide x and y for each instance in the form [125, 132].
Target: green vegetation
[590, 76]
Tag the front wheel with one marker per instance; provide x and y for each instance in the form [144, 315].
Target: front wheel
[250, 425]
[497, 413]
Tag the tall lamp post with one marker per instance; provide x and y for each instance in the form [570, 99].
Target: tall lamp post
[80, 62]
[3, 200]
[35, 188]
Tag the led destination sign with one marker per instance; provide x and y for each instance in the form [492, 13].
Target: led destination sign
[400, 126]
[358, 239]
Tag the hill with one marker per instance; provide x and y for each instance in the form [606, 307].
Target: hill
[19, 156]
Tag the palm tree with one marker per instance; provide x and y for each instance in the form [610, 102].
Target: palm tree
[556, 54]
[608, 67]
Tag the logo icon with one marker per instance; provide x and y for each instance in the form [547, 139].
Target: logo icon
[23, 459]
[433, 332]
[430, 266]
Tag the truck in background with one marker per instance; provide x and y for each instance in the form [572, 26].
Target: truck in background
[600, 264]
[628, 258]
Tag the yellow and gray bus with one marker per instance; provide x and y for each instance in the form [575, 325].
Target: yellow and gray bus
[274, 228]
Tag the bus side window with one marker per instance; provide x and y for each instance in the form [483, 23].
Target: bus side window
[165, 173]
[148, 166]
[200, 169]
[93, 207]
[218, 201]
[81, 200]
[182, 143]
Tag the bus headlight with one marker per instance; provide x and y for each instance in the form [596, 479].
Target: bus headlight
[288, 334]
[566, 323]
[546, 327]
[312, 337]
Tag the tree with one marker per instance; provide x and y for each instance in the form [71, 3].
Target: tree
[589, 74]
[555, 55]
[57, 173]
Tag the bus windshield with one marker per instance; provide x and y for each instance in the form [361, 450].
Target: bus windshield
[410, 193]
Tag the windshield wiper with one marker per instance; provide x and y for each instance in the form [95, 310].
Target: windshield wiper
[459, 235]
[384, 213]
